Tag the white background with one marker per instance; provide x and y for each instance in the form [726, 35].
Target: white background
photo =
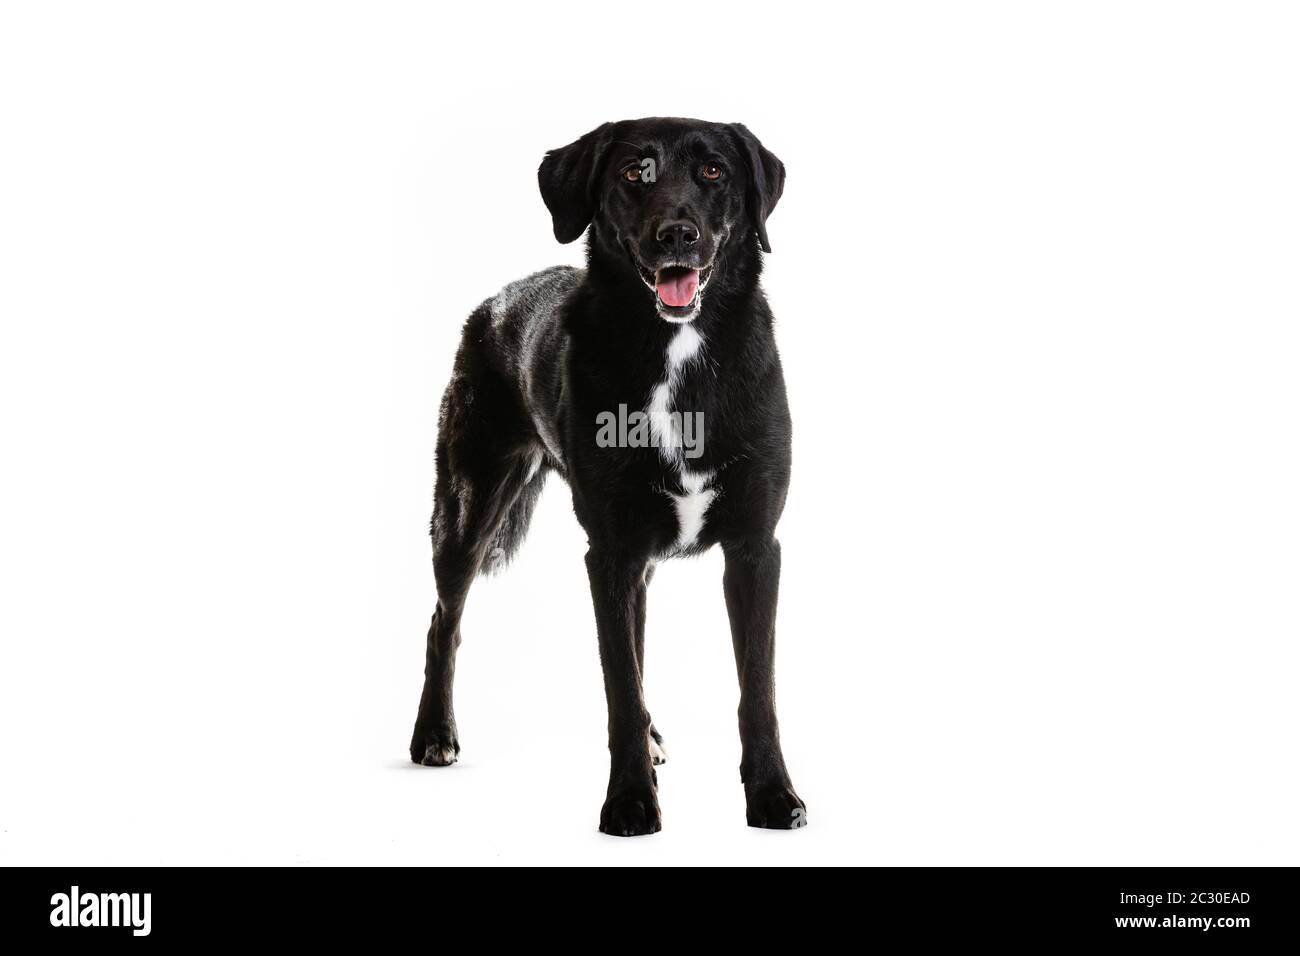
[1035, 275]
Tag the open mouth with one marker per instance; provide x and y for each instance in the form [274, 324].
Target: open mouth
[677, 288]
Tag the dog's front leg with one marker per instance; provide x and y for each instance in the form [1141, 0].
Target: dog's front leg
[751, 581]
[631, 807]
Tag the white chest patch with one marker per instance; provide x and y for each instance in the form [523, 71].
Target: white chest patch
[665, 427]
[692, 506]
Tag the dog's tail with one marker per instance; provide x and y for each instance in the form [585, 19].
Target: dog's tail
[514, 526]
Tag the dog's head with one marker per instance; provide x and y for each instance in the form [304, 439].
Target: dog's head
[672, 201]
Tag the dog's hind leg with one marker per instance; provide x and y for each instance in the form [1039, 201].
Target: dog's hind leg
[658, 752]
[476, 498]
[468, 513]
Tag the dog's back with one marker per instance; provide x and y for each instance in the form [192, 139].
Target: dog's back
[526, 334]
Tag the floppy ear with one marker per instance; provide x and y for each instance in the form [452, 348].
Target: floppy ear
[766, 180]
[568, 177]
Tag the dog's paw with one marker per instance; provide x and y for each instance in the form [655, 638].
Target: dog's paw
[775, 807]
[435, 750]
[658, 752]
[632, 813]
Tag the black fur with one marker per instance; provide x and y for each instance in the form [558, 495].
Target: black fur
[541, 360]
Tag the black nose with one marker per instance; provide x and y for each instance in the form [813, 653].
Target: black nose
[677, 236]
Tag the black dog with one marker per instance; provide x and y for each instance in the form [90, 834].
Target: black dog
[667, 320]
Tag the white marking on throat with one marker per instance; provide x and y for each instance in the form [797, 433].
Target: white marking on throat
[692, 506]
[684, 347]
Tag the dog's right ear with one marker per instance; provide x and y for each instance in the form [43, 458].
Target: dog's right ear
[569, 177]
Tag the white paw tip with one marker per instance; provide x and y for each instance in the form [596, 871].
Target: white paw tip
[436, 755]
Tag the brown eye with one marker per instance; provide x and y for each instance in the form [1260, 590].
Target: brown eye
[712, 172]
[632, 174]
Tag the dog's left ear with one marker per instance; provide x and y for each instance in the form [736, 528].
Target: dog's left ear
[766, 180]
[569, 177]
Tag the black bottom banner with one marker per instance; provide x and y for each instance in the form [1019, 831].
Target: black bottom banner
[1224, 908]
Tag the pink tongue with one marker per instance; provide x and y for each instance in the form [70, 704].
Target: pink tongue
[677, 290]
